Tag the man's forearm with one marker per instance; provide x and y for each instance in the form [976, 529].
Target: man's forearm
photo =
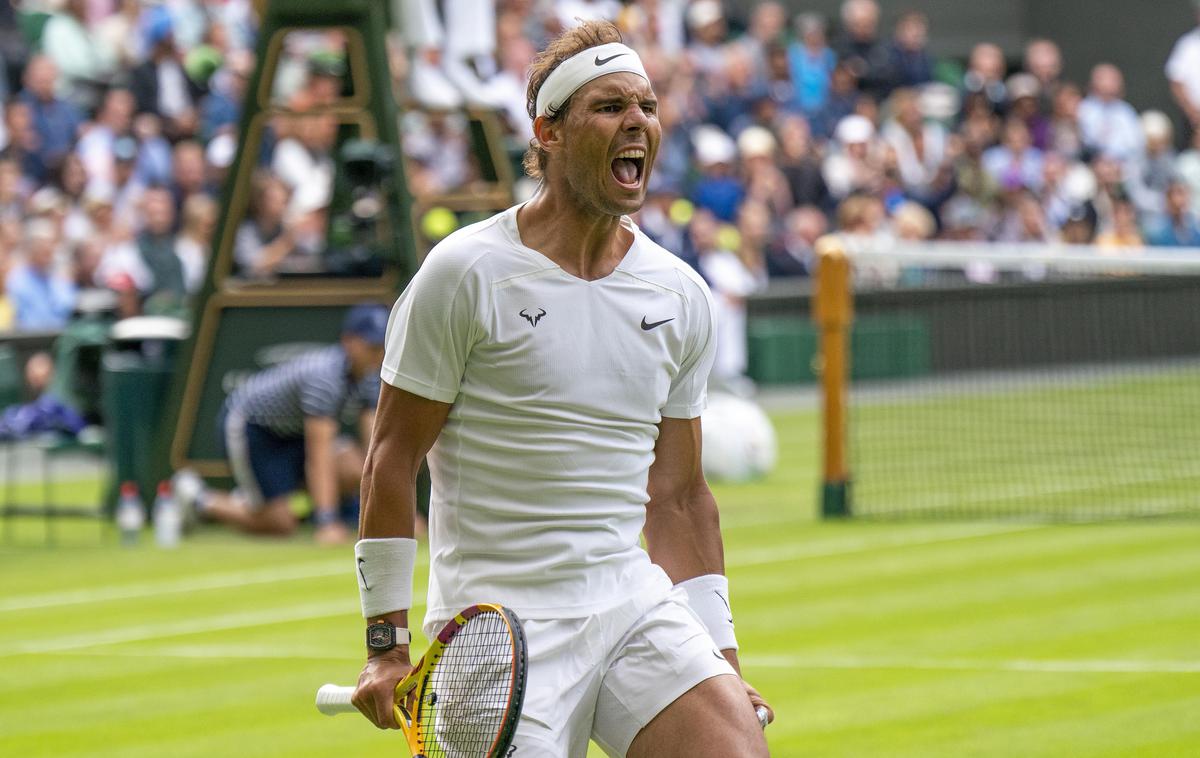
[683, 535]
[389, 495]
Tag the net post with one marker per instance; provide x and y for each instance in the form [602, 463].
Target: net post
[833, 312]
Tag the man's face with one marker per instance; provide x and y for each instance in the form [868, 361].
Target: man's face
[158, 211]
[608, 140]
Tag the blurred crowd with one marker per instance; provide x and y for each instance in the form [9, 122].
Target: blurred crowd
[120, 117]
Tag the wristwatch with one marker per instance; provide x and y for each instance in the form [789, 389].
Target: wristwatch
[382, 636]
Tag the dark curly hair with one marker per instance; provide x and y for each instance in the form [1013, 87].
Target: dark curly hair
[570, 42]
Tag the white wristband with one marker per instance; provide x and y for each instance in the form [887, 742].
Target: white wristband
[385, 572]
[708, 596]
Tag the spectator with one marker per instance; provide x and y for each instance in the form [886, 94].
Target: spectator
[188, 173]
[801, 164]
[42, 297]
[919, 145]
[160, 85]
[911, 63]
[795, 254]
[1043, 60]
[1108, 124]
[984, 78]
[149, 260]
[1124, 232]
[811, 63]
[705, 53]
[860, 47]
[71, 182]
[1183, 71]
[1188, 169]
[1152, 171]
[1023, 219]
[194, 242]
[1023, 97]
[1015, 162]
[222, 108]
[731, 282]
[1066, 139]
[856, 165]
[1176, 226]
[55, 121]
[765, 183]
[718, 189]
[84, 62]
[263, 241]
[119, 33]
[113, 121]
[840, 101]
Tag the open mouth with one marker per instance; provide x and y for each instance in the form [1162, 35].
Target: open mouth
[628, 167]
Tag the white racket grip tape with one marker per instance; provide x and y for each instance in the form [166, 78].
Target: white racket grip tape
[763, 714]
[333, 699]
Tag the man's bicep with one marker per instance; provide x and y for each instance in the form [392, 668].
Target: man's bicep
[406, 424]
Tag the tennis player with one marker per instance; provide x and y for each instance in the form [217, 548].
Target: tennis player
[552, 362]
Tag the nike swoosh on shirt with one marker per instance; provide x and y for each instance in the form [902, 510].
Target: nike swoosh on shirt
[601, 61]
[648, 327]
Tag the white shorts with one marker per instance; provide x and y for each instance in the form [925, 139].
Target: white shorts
[604, 677]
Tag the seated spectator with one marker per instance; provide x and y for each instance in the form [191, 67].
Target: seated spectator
[801, 164]
[194, 243]
[113, 121]
[188, 172]
[919, 145]
[911, 63]
[1080, 226]
[732, 280]
[263, 241]
[705, 52]
[54, 121]
[41, 295]
[811, 63]
[71, 182]
[1108, 124]
[222, 107]
[1023, 219]
[1015, 162]
[1177, 225]
[718, 189]
[149, 261]
[1151, 172]
[860, 47]
[795, 255]
[764, 182]
[1124, 231]
[160, 85]
[84, 63]
[984, 77]
[840, 101]
[12, 196]
[855, 164]
[1188, 169]
[1023, 103]
[1066, 139]
[1043, 60]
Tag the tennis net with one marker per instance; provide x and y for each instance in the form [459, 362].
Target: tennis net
[1041, 382]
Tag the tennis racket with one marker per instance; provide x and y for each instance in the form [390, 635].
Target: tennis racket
[463, 698]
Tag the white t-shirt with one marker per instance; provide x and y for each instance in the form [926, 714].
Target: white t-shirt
[557, 386]
[1184, 65]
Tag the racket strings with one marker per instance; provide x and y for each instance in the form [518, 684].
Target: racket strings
[466, 704]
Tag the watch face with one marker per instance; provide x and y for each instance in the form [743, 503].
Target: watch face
[380, 636]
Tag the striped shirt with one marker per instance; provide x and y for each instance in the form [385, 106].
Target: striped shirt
[317, 383]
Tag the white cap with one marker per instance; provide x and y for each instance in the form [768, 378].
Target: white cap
[854, 128]
[1156, 125]
[712, 145]
[756, 141]
[704, 12]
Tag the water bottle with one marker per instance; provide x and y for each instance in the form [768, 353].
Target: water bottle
[130, 516]
[168, 521]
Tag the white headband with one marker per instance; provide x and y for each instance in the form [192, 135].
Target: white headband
[583, 67]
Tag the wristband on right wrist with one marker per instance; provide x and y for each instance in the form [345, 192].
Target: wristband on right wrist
[708, 597]
[385, 572]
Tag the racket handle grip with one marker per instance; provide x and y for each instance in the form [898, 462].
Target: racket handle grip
[332, 700]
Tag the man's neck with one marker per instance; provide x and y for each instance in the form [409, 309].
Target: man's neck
[583, 242]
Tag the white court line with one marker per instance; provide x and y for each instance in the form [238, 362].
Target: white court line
[178, 586]
[1084, 666]
[782, 553]
[179, 627]
[227, 580]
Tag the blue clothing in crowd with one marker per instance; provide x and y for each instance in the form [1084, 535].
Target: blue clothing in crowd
[41, 300]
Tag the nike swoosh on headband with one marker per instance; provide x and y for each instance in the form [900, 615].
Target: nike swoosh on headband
[601, 61]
